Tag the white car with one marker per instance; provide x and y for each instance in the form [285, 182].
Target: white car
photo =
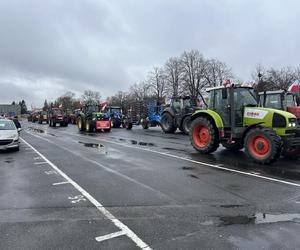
[9, 135]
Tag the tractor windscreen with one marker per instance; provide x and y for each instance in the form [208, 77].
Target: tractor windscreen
[245, 97]
[115, 110]
[273, 101]
[290, 100]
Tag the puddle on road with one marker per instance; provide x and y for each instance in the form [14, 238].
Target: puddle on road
[9, 160]
[193, 176]
[38, 130]
[91, 145]
[140, 143]
[255, 219]
[187, 168]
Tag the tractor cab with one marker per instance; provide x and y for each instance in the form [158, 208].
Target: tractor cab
[280, 100]
[230, 104]
[115, 114]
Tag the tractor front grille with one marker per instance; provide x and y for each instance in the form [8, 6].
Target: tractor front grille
[5, 142]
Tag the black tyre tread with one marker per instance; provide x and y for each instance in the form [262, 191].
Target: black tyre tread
[276, 145]
[171, 129]
[183, 126]
[214, 144]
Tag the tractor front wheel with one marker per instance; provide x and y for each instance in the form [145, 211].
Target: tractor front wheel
[167, 123]
[204, 135]
[263, 145]
[128, 125]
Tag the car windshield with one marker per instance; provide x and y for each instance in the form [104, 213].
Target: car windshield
[7, 125]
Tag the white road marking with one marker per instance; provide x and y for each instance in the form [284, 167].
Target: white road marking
[60, 183]
[109, 236]
[40, 163]
[216, 166]
[127, 231]
[37, 158]
[50, 172]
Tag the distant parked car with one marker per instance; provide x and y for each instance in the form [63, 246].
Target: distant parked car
[9, 135]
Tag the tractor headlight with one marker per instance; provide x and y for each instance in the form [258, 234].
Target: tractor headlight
[94, 119]
[292, 122]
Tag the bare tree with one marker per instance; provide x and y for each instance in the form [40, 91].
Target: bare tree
[193, 68]
[216, 72]
[173, 73]
[91, 96]
[139, 91]
[157, 82]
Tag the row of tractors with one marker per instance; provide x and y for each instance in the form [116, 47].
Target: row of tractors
[266, 124]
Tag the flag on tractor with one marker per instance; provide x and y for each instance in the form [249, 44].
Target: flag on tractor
[295, 86]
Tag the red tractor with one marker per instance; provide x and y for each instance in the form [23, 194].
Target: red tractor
[57, 116]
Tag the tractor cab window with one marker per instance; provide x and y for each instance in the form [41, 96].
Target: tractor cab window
[290, 100]
[220, 104]
[115, 110]
[177, 104]
[273, 101]
[244, 97]
[187, 103]
[92, 108]
[57, 112]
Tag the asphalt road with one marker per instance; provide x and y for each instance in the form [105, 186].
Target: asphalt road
[141, 190]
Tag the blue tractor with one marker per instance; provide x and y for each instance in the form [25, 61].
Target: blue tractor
[152, 116]
[115, 114]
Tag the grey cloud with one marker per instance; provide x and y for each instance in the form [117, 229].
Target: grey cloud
[108, 45]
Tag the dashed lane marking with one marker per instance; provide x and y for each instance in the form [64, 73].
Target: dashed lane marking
[109, 236]
[127, 231]
[60, 183]
[40, 163]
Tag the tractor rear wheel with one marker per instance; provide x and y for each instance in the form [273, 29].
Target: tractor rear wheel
[145, 123]
[167, 123]
[80, 124]
[89, 126]
[128, 125]
[186, 125]
[263, 145]
[235, 146]
[204, 136]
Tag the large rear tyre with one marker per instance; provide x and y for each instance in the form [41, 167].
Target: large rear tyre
[80, 124]
[167, 123]
[204, 136]
[263, 145]
[186, 125]
[128, 125]
[145, 123]
[235, 146]
[88, 126]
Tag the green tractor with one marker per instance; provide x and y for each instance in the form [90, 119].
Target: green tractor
[91, 119]
[233, 119]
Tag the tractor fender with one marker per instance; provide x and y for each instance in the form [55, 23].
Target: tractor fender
[255, 125]
[210, 114]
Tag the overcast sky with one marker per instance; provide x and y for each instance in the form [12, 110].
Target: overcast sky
[50, 47]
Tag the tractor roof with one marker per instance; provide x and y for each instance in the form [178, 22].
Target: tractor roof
[230, 86]
[271, 92]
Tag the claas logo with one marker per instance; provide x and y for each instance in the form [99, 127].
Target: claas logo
[252, 114]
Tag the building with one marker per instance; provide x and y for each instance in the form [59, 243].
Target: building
[10, 110]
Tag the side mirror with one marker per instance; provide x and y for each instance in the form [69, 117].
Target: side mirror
[224, 93]
[19, 130]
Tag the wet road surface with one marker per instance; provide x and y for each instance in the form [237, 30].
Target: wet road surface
[141, 189]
